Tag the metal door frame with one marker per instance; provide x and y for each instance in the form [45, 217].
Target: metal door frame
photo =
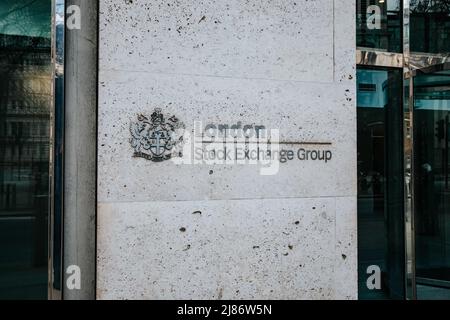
[77, 63]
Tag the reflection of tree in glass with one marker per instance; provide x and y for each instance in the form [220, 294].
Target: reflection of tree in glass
[25, 17]
[424, 6]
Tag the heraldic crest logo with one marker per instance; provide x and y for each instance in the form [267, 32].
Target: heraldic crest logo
[157, 138]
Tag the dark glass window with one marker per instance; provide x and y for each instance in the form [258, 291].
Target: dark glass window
[432, 178]
[379, 24]
[25, 102]
[380, 182]
[430, 26]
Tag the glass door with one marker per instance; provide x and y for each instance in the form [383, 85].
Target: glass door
[380, 183]
[432, 184]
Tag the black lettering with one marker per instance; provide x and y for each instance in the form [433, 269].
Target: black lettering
[290, 155]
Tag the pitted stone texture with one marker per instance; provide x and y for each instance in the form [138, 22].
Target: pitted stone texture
[303, 112]
[346, 267]
[287, 65]
[270, 39]
[345, 39]
[244, 249]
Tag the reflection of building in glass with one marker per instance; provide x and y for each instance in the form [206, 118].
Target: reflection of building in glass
[432, 174]
[25, 101]
[430, 26]
[372, 88]
[380, 195]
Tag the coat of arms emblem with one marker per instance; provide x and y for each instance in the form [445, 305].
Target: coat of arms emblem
[156, 138]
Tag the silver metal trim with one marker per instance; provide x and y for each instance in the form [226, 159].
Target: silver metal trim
[410, 261]
[52, 292]
[424, 62]
[433, 282]
[369, 57]
[408, 126]
[51, 166]
[410, 62]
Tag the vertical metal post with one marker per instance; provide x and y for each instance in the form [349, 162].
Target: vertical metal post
[445, 166]
[410, 281]
[56, 146]
[80, 151]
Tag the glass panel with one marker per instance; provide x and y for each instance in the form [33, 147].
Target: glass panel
[432, 181]
[380, 182]
[430, 26]
[58, 152]
[25, 102]
[379, 24]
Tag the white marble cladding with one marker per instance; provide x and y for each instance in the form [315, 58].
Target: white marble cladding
[247, 39]
[302, 111]
[287, 65]
[240, 249]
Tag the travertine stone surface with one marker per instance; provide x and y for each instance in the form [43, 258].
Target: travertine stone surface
[239, 249]
[291, 107]
[287, 65]
[267, 39]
